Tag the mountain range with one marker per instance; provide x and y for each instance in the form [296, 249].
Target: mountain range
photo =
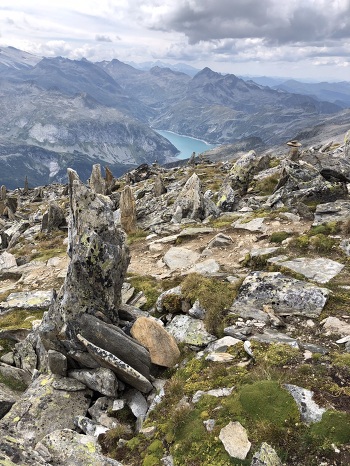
[58, 112]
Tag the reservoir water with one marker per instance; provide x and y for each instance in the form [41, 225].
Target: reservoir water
[186, 145]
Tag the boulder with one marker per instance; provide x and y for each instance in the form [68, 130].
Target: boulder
[43, 409]
[54, 218]
[301, 180]
[309, 410]
[99, 259]
[137, 403]
[7, 261]
[255, 225]
[114, 340]
[333, 325]
[159, 186]
[286, 295]
[72, 449]
[337, 211]
[160, 344]
[7, 398]
[123, 371]
[227, 197]
[28, 300]
[57, 363]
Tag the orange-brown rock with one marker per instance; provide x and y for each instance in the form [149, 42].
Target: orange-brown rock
[161, 345]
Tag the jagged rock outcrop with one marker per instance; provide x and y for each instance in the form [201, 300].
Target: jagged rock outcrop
[302, 182]
[54, 218]
[191, 203]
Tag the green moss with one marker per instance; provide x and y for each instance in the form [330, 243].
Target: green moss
[224, 221]
[279, 236]
[13, 383]
[267, 401]
[342, 360]
[151, 460]
[19, 319]
[277, 354]
[334, 428]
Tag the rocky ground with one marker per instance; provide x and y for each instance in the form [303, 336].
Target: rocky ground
[218, 335]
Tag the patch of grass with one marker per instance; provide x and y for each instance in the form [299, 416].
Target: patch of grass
[266, 186]
[13, 383]
[214, 296]
[279, 236]
[223, 222]
[47, 245]
[137, 235]
[150, 287]
[317, 242]
[20, 318]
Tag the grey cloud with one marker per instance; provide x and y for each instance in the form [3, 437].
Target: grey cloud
[102, 38]
[208, 20]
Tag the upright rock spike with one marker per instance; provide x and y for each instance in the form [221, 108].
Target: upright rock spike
[127, 210]
[97, 183]
[3, 192]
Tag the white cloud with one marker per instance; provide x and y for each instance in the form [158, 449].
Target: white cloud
[219, 33]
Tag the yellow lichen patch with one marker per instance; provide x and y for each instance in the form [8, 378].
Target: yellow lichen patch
[91, 447]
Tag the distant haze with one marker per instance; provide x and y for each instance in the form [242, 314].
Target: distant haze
[301, 39]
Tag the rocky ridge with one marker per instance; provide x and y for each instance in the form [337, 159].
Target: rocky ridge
[227, 342]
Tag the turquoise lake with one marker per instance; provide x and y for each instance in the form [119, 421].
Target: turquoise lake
[186, 145]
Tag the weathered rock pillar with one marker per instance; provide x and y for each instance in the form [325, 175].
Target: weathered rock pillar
[127, 210]
[97, 183]
[99, 260]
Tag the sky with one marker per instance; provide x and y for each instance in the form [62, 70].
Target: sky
[302, 39]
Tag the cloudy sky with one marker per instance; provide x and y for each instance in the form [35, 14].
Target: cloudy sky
[297, 38]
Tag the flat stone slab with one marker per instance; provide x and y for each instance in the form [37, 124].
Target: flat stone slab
[207, 267]
[68, 447]
[272, 336]
[180, 258]
[255, 225]
[123, 371]
[286, 295]
[192, 231]
[320, 270]
[28, 300]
